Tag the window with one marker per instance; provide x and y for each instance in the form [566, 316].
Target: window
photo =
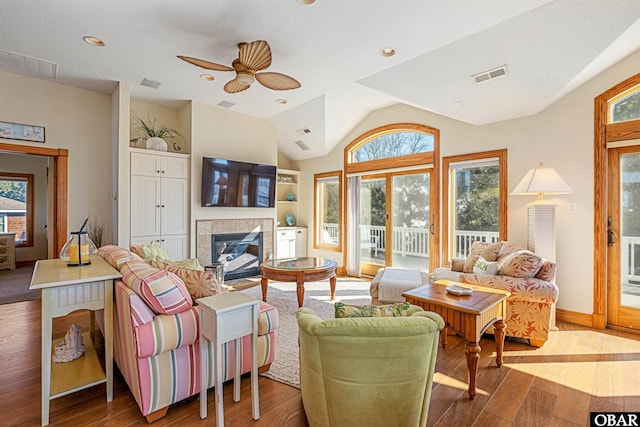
[625, 106]
[475, 201]
[394, 145]
[16, 206]
[328, 211]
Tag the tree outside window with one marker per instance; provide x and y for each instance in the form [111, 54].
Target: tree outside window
[16, 206]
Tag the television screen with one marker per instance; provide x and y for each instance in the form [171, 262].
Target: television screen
[237, 184]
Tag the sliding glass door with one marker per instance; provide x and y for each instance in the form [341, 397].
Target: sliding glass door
[395, 220]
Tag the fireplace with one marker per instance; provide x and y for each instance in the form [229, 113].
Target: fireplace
[240, 253]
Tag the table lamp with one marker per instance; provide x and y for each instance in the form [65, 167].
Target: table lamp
[541, 234]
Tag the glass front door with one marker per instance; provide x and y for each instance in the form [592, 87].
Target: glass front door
[623, 287]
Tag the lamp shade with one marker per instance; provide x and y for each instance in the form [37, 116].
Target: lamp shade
[541, 181]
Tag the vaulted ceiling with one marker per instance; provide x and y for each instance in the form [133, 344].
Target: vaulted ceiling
[333, 48]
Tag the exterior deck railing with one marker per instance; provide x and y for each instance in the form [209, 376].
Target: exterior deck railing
[412, 241]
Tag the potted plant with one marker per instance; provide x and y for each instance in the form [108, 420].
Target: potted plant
[157, 136]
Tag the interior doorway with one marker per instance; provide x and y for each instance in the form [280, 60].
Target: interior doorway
[58, 190]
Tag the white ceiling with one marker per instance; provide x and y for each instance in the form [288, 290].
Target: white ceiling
[331, 47]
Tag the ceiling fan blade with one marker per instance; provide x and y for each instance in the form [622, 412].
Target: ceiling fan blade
[277, 81]
[233, 86]
[205, 64]
[255, 55]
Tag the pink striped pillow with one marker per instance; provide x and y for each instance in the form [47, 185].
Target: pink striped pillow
[163, 291]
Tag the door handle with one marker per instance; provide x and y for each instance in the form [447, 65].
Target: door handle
[432, 227]
[611, 235]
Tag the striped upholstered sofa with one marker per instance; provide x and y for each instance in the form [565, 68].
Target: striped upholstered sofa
[156, 336]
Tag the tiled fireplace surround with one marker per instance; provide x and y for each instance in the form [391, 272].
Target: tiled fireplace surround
[206, 227]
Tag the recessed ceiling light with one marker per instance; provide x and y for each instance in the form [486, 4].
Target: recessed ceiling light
[281, 101]
[93, 41]
[388, 51]
[207, 77]
[306, 1]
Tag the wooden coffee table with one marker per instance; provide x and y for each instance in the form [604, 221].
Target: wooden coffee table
[298, 270]
[467, 315]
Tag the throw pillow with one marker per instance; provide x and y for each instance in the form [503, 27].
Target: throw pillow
[488, 251]
[482, 266]
[200, 284]
[150, 252]
[389, 310]
[522, 263]
[115, 255]
[162, 290]
[191, 263]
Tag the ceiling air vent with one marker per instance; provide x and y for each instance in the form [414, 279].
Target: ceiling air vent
[150, 83]
[300, 143]
[490, 75]
[226, 104]
[303, 131]
[28, 65]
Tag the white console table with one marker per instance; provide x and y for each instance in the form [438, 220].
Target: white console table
[226, 317]
[64, 290]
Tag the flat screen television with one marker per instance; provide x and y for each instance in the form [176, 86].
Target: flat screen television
[237, 184]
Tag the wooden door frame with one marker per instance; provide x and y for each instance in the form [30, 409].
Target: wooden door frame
[60, 158]
[604, 132]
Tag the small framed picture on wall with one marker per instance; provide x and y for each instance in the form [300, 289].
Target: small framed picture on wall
[21, 132]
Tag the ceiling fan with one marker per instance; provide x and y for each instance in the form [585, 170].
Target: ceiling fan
[252, 57]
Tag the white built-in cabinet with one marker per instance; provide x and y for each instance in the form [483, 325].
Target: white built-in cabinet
[160, 201]
[291, 242]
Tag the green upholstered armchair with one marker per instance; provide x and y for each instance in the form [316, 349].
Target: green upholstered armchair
[367, 371]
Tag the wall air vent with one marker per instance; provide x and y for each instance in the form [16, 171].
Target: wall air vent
[28, 65]
[490, 75]
[300, 143]
[303, 131]
[226, 104]
[150, 83]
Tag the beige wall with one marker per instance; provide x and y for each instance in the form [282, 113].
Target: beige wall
[218, 132]
[561, 136]
[75, 119]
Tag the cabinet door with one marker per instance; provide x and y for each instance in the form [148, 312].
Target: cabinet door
[176, 246]
[145, 164]
[172, 167]
[145, 206]
[174, 206]
[301, 242]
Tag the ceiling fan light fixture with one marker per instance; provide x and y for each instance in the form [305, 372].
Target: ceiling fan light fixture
[245, 78]
[306, 1]
[281, 101]
[207, 77]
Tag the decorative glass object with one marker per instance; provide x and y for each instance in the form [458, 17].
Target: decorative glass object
[290, 197]
[79, 248]
[290, 220]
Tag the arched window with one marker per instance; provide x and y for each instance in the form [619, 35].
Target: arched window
[626, 106]
[392, 146]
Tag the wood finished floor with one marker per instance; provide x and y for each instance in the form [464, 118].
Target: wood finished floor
[579, 370]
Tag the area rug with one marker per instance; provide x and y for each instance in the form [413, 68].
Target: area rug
[14, 285]
[286, 366]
